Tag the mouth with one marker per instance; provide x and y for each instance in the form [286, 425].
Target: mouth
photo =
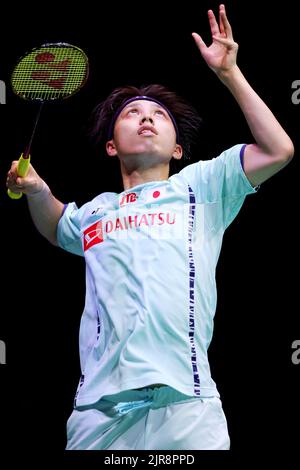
[147, 130]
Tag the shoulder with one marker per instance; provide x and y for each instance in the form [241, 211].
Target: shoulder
[217, 177]
[95, 205]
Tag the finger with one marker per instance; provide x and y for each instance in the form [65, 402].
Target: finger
[19, 181]
[214, 28]
[13, 182]
[199, 42]
[13, 186]
[226, 42]
[14, 165]
[11, 175]
[225, 22]
[222, 27]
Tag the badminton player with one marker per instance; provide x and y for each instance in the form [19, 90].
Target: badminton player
[151, 254]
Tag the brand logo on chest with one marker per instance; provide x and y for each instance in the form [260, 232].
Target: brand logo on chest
[92, 235]
[127, 198]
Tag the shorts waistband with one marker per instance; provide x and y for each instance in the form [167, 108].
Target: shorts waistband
[151, 386]
[148, 397]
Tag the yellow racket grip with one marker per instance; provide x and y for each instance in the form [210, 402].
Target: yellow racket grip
[22, 170]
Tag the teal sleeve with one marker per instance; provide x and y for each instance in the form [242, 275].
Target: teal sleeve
[69, 235]
[221, 180]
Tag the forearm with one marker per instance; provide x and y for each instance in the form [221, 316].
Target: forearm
[45, 211]
[266, 130]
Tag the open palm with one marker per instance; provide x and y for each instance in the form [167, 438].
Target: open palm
[221, 55]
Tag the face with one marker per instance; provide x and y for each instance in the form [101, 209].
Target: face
[144, 132]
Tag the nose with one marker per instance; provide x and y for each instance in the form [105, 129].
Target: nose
[147, 118]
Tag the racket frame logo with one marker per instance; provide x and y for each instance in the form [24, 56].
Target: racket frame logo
[53, 71]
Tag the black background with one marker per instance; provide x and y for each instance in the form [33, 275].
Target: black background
[42, 287]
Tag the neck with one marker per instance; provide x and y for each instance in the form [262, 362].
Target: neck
[134, 177]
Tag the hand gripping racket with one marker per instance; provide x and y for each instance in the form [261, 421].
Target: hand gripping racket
[53, 71]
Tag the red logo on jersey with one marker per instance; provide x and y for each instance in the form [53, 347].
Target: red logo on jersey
[92, 235]
[129, 197]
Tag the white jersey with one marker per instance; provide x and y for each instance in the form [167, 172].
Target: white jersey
[151, 254]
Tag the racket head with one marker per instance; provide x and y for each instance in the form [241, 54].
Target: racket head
[53, 71]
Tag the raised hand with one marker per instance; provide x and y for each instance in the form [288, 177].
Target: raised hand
[221, 55]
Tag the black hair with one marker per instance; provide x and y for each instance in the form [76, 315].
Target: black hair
[186, 116]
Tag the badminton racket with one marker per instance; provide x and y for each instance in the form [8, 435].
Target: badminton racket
[51, 72]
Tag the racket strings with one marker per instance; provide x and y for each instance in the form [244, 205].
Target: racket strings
[50, 73]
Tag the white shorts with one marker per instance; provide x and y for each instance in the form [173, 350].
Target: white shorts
[149, 419]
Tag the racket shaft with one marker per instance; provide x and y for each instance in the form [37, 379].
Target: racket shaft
[22, 170]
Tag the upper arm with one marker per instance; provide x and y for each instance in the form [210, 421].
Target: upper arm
[259, 165]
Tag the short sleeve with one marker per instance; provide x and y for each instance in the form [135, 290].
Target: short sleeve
[221, 180]
[69, 229]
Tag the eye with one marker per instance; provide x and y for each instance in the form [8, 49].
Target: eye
[133, 110]
[159, 111]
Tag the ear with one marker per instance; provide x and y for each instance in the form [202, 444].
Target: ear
[110, 148]
[178, 152]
